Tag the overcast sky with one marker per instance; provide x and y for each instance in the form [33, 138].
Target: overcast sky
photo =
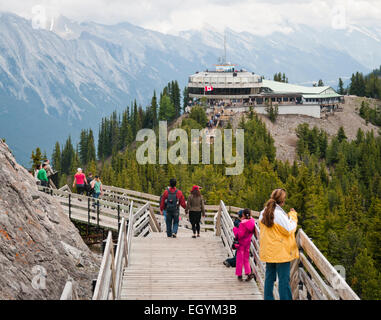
[172, 16]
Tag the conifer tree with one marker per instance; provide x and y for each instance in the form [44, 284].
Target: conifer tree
[135, 120]
[91, 156]
[83, 147]
[155, 120]
[167, 109]
[185, 97]
[56, 157]
[68, 154]
[341, 87]
[341, 135]
[366, 279]
[36, 158]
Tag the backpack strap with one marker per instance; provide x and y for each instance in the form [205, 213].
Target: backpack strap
[172, 192]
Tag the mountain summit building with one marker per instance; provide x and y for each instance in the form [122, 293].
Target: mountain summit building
[238, 90]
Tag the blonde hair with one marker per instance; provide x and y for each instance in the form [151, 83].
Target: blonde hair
[278, 196]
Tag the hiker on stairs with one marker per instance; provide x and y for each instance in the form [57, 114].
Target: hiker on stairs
[43, 177]
[80, 181]
[175, 199]
[195, 207]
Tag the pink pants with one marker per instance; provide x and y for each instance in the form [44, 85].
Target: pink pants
[242, 260]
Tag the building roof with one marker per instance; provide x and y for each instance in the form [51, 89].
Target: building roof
[293, 88]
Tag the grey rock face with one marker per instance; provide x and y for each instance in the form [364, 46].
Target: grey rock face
[39, 246]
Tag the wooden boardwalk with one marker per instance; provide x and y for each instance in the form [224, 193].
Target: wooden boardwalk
[184, 268]
[148, 265]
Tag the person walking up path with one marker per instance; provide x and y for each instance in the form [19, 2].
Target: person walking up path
[195, 207]
[49, 172]
[277, 244]
[244, 234]
[175, 199]
[88, 186]
[42, 176]
[96, 185]
[80, 181]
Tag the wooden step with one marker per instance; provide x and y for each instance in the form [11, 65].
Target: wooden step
[184, 269]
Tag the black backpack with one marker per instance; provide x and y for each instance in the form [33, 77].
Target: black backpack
[172, 202]
[165, 202]
[88, 187]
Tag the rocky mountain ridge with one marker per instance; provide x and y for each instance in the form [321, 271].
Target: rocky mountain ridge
[40, 249]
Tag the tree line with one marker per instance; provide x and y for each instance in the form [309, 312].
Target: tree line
[363, 86]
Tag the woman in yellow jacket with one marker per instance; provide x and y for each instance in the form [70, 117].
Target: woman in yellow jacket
[277, 245]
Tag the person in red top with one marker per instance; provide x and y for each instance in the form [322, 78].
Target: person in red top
[79, 181]
[171, 201]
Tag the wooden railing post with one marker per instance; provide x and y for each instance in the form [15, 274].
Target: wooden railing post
[118, 217]
[112, 267]
[218, 222]
[88, 215]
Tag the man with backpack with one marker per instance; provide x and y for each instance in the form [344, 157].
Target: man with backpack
[171, 201]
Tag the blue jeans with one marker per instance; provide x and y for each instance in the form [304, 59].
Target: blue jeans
[96, 195]
[172, 221]
[283, 271]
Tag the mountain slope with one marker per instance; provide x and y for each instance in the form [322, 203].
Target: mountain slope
[35, 234]
[54, 83]
[283, 130]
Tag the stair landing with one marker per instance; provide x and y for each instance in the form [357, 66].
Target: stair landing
[182, 268]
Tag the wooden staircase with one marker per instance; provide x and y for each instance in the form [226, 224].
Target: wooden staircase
[184, 268]
[147, 265]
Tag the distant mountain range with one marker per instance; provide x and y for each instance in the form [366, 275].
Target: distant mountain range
[54, 83]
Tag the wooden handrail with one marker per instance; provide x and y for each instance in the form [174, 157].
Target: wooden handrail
[109, 282]
[104, 214]
[333, 286]
[120, 257]
[102, 287]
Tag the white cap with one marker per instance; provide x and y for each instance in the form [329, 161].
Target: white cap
[79, 169]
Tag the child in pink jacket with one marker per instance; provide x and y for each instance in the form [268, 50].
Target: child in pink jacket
[244, 233]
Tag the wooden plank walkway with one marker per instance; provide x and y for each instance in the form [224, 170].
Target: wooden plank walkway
[184, 268]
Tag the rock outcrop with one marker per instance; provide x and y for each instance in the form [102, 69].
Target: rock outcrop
[39, 246]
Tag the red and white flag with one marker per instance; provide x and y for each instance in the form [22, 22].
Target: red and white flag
[208, 88]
